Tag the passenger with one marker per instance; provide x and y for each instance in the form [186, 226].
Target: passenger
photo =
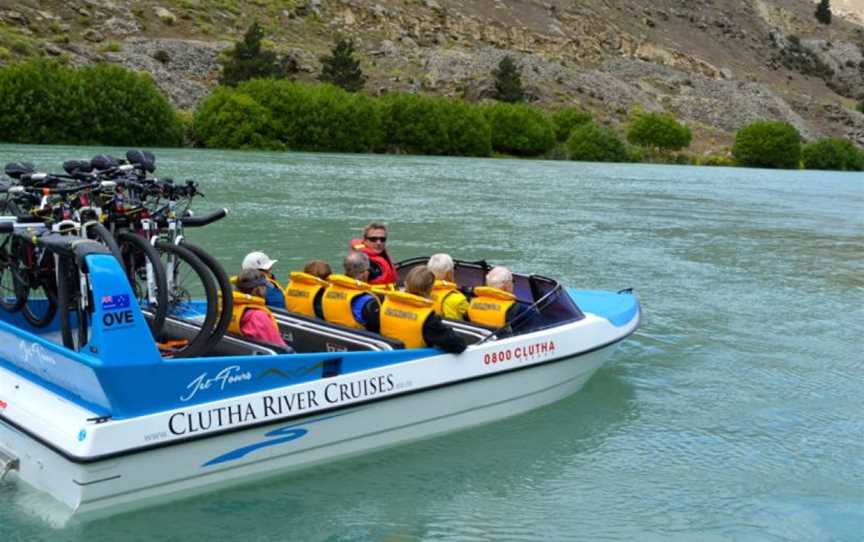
[373, 244]
[304, 293]
[449, 301]
[495, 305]
[410, 317]
[251, 318]
[318, 268]
[349, 300]
[258, 260]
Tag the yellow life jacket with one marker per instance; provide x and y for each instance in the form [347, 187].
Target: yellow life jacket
[403, 316]
[301, 291]
[242, 303]
[440, 290]
[489, 307]
[336, 304]
[382, 289]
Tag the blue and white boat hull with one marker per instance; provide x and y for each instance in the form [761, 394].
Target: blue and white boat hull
[97, 467]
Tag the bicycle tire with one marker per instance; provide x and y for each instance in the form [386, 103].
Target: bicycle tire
[226, 291]
[178, 292]
[11, 298]
[44, 279]
[98, 232]
[133, 249]
[68, 302]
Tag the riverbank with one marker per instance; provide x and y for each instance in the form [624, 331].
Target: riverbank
[44, 102]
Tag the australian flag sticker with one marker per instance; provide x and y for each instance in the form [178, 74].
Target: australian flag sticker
[114, 302]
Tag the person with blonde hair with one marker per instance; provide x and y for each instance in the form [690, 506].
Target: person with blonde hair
[495, 304]
[250, 317]
[410, 317]
[449, 301]
[304, 293]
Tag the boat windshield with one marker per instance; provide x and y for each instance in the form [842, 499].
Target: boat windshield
[546, 299]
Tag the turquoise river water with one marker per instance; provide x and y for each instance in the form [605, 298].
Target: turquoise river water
[734, 413]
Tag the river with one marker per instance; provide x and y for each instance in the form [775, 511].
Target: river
[734, 413]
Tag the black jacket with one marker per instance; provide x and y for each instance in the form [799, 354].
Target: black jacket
[437, 335]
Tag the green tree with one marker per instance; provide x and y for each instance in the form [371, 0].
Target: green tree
[591, 143]
[415, 124]
[315, 117]
[861, 105]
[833, 154]
[520, 129]
[768, 144]
[341, 69]
[823, 12]
[45, 102]
[248, 60]
[229, 119]
[508, 81]
[659, 131]
[566, 119]
[468, 131]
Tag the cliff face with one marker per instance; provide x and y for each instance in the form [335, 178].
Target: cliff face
[718, 64]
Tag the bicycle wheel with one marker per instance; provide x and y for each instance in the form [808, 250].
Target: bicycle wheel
[191, 296]
[98, 232]
[147, 277]
[11, 298]
[226, 291]
[40, 284]
[72, 314]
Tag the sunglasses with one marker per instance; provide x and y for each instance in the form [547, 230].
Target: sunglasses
[377, 239]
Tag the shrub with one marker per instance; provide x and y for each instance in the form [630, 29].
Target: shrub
[834, 154]
[861, 105]
[415, 124]
[248, 60]
[341, 69]
[116, 106]
[318, 117]
[519, 129]
[590, 143]
[228, 119]
[768, 144]
[508, 81]
[717, 160]
[566, 119]
[658, 131]
[468, 131]
[44, 102]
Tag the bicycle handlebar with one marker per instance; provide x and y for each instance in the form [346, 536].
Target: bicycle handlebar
[209, 218]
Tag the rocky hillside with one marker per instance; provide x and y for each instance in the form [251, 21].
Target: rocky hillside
[718, 64]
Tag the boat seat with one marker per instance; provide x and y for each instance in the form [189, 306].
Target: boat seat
[472, 333]
[310, 334]
[229, 345]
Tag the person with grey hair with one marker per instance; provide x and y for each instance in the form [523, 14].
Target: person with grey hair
[495, 304]
[450, 303]
[349, 300]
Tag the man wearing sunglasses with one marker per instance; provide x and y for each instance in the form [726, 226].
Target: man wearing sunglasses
[374, 245]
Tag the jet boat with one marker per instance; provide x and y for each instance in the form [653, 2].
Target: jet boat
[116, 426]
